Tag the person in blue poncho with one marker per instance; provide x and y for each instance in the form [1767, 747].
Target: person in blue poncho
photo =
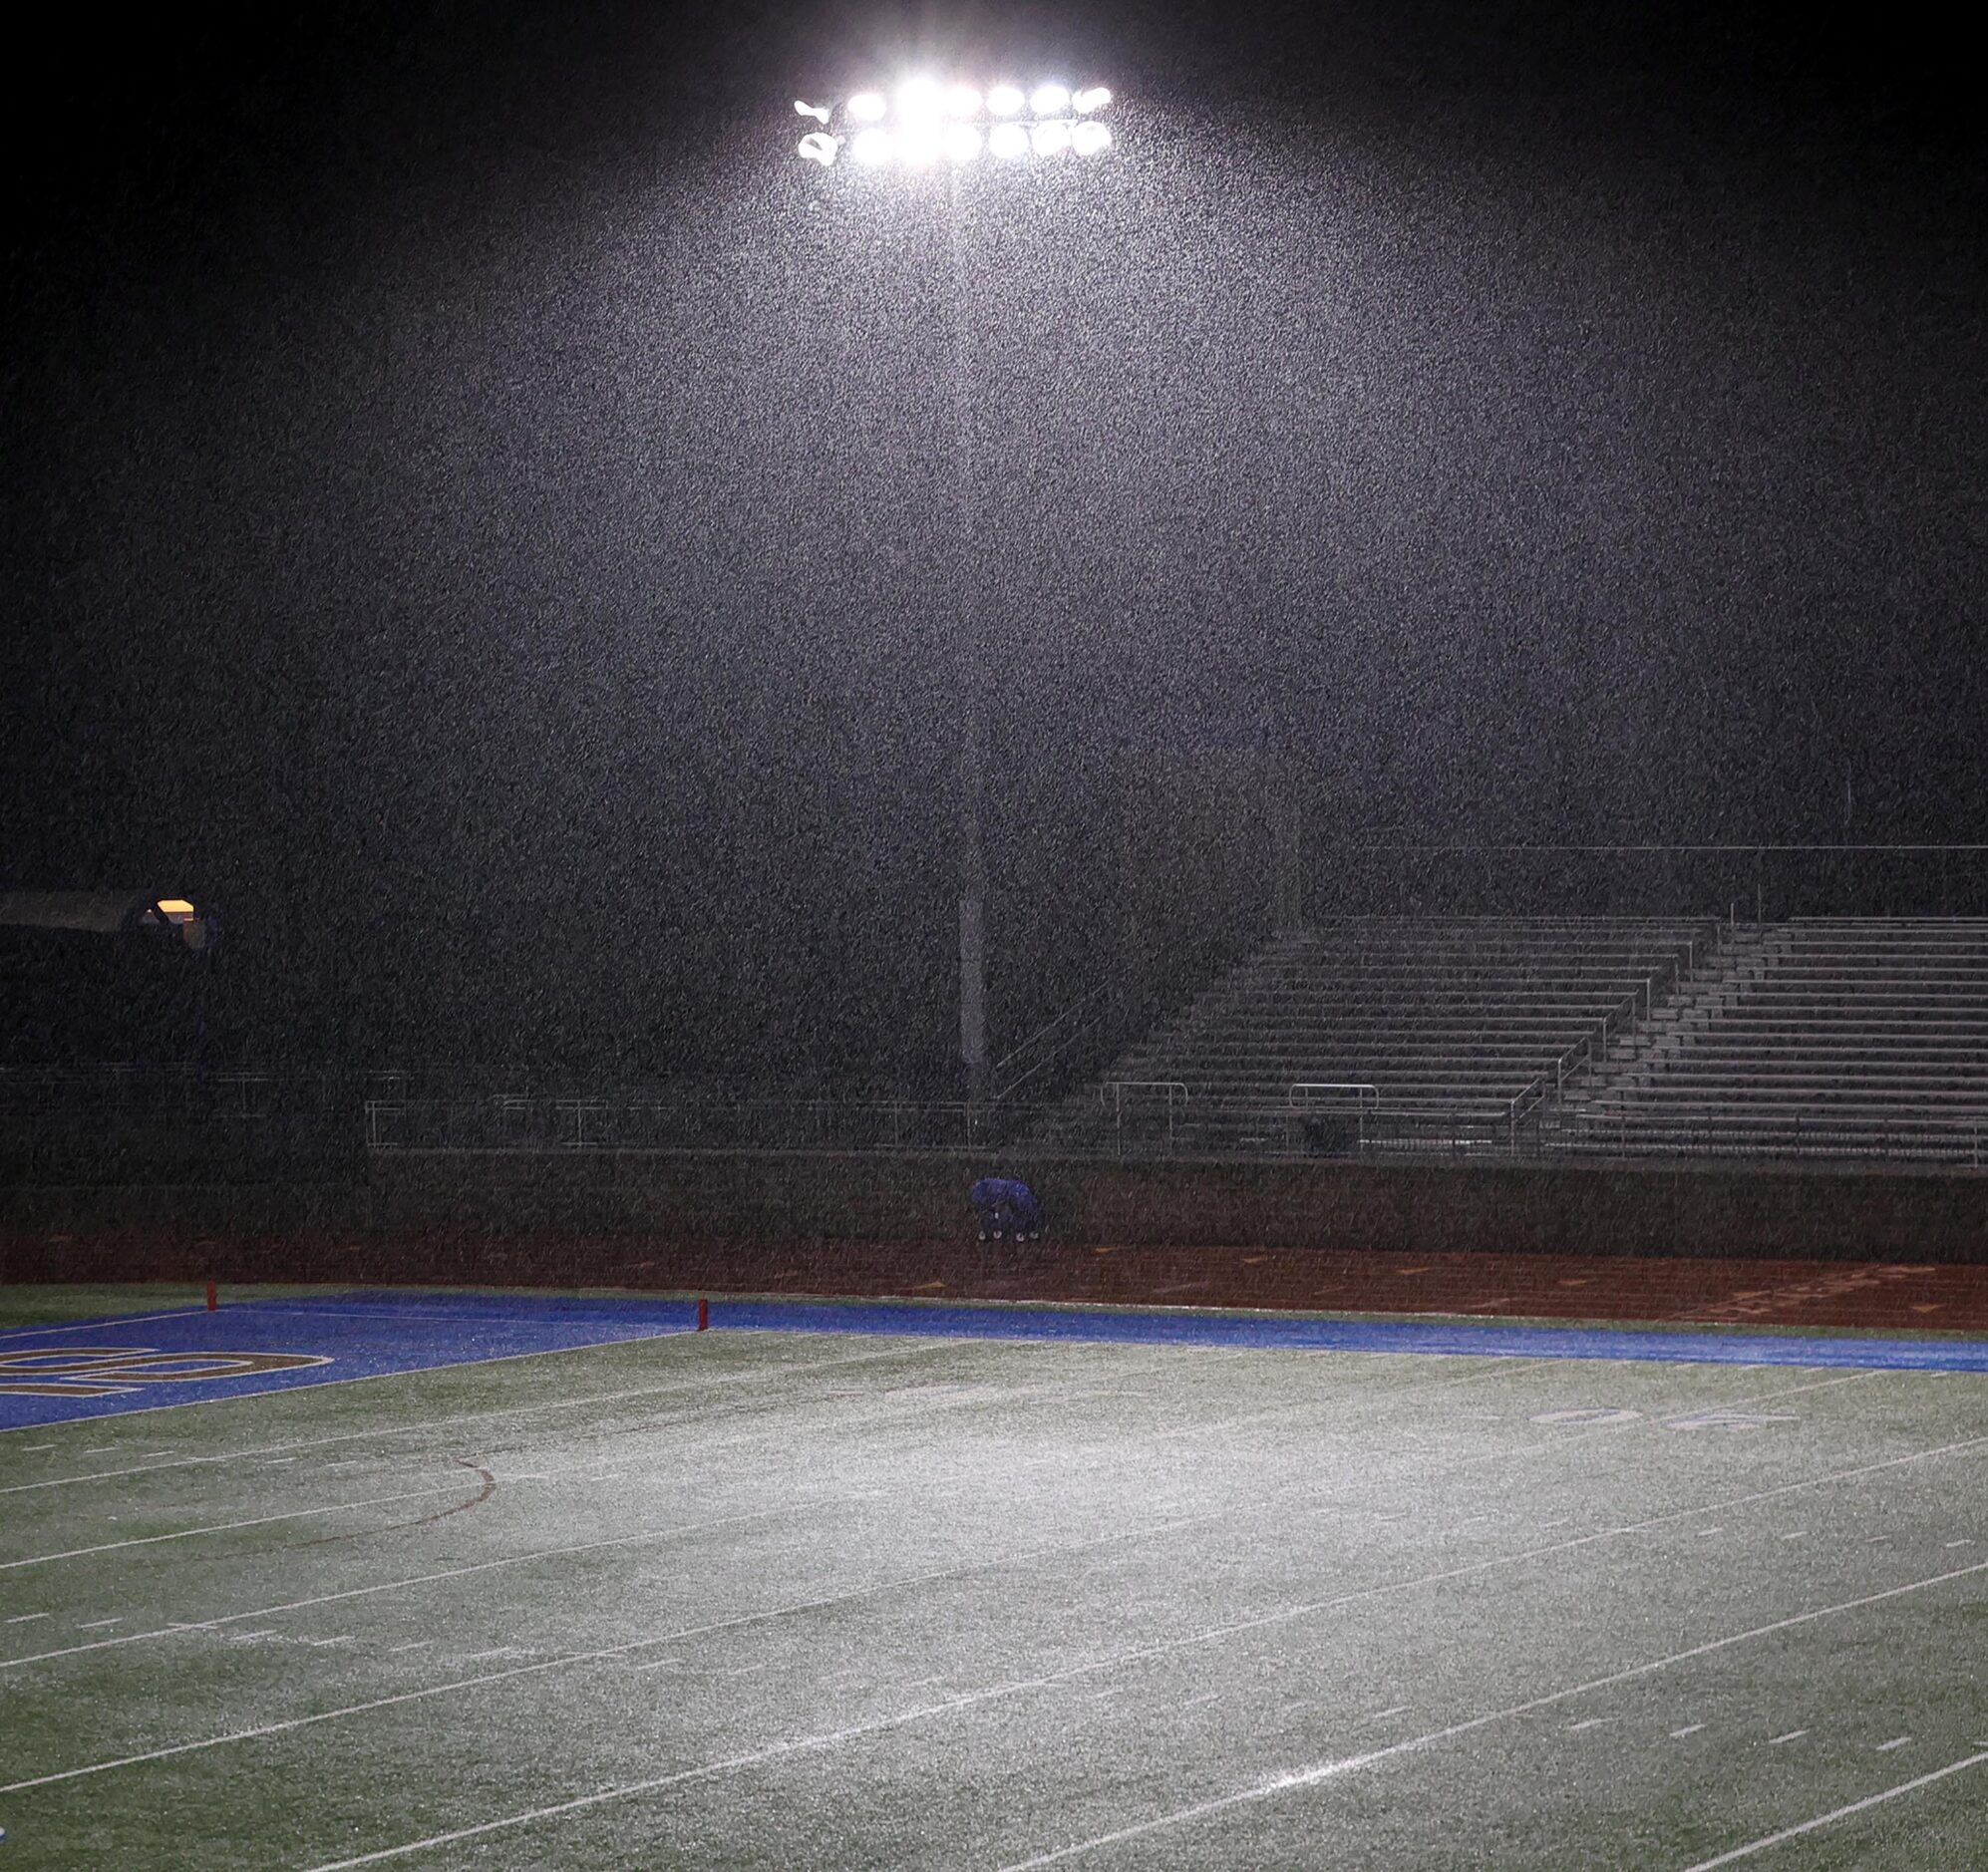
[1006, 1207]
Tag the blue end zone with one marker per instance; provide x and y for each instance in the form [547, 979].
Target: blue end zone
[105, 1368]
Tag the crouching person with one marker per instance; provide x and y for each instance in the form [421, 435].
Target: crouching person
[1007, 1207]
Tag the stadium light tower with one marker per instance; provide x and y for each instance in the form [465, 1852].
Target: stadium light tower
[917, 129]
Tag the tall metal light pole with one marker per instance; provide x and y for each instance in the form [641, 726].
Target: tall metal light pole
[920, 127]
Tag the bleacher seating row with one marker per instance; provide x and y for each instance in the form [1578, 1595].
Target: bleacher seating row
[1849, 1038]
[1845, 1038]
[1402, 1031]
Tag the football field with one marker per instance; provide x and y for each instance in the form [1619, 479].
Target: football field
[798, 1593]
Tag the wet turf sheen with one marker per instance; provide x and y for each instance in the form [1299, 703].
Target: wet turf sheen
[836, 1599]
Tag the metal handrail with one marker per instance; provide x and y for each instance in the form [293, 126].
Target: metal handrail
[1293, 1105]
[1168, 1085]
[1264, 1128]
[1592, 1047]
[1327, 1084]
[1118, 1089]
[1080, 1005]
[1056, 1019]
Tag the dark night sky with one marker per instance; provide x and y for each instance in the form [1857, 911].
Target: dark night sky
[482, 513]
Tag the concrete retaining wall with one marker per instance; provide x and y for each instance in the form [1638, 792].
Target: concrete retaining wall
[609, 1218]
[1396, 1208]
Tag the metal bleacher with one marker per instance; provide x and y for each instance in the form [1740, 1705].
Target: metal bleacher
[1832, 1037]
[1378, 1034]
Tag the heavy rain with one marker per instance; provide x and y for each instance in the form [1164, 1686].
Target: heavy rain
[533, 550]
[944, 936]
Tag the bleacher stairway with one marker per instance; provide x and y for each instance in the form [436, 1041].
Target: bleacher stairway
[1843, 1037]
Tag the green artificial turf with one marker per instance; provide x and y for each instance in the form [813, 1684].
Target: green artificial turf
[791, 1600]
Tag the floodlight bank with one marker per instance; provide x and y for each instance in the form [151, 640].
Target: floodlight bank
[930, 120]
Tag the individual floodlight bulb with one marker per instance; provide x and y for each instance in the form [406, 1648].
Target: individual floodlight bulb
[962, 141]
[818, 147]
[918, 100]
[868, 106]
[1090, 103]
[1050, 99]
[1050, 139]
[962, 101]
[1090, 138]
[1008, 140]
[819, 112]
[1005, 101]
[871, 146]
[917, 145]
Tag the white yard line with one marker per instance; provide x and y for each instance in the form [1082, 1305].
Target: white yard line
[910, 1349]
[1262, 1791]
[1491, 1365]
[1279, 1503]
[229, 1527]
[1328, 1770]
[929, 1577]
[1838, 1813]
[702, 1382]
[899, 1583]
[420, 1579]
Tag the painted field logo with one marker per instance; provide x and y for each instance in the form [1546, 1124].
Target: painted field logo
[118, 1371]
